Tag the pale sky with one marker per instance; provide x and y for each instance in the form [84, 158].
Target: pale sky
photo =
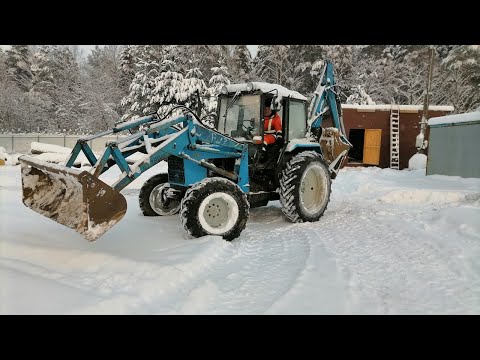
[253, 48]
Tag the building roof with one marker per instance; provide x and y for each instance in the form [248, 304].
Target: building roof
[402, 108]
[455, 119]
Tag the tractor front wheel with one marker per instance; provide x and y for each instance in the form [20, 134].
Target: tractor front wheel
[305, 187]
[157, 198]
[215, 206]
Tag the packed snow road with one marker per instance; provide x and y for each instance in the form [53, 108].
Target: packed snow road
[390, 242]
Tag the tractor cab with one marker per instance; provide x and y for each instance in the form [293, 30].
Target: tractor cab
[240, 114]
[240, 110]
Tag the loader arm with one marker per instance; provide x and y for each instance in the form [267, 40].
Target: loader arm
[80, 200]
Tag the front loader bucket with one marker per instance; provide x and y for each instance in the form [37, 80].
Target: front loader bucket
[71, 197]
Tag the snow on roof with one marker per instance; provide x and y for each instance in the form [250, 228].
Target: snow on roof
[266, 87]
[402, 108]
[454, 119]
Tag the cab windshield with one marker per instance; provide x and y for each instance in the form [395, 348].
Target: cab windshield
[242, 119]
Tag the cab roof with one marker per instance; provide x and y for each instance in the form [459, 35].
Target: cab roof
[266, 87]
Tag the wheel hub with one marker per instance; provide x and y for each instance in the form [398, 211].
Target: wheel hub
[313, 189]
[216, 212]
[163, 199]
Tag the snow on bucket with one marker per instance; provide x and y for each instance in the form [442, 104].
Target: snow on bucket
[71, 197]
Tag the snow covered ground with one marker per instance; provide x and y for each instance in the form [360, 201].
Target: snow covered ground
[390, 242]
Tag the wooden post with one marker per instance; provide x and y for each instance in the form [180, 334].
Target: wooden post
[421, 144]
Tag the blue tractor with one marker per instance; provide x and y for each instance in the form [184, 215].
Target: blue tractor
[217, 171]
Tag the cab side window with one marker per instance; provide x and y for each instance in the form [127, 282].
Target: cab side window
[297, 124]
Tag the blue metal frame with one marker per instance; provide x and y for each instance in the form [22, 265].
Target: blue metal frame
[326, 98]
[193, 143]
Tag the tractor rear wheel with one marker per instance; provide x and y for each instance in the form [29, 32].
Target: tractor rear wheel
[157, 198]
[305, 187]
[215, 206]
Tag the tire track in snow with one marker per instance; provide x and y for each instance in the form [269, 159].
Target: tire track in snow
[119, 285]
[122, 285]
[110, 275]
[319, 288]
[388, 269]
[255, 272]
[162, 283]
[457, 255]
[271, 267]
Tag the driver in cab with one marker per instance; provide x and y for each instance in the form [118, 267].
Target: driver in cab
[272, 126]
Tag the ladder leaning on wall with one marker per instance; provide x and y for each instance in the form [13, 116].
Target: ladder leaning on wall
[395, 137]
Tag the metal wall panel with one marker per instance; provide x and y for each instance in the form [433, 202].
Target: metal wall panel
[454, 150]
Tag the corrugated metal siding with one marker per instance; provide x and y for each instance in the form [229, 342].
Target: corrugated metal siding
[454, 150]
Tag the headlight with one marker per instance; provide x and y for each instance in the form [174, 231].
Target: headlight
[249, 86]
[224, 90]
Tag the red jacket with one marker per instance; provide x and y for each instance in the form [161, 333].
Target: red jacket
[272, 129]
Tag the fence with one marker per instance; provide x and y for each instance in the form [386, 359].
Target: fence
[21, 143]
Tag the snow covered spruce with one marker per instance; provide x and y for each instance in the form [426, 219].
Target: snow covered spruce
[54, 88]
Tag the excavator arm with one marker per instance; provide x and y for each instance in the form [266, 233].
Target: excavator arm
[325, 103]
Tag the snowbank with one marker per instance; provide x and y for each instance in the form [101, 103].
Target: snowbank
[40, 148]
[429, 197]
[417, 161]
[3, 154]
[54, 158]
[9, 159]
[57, 154]
[62, 159]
